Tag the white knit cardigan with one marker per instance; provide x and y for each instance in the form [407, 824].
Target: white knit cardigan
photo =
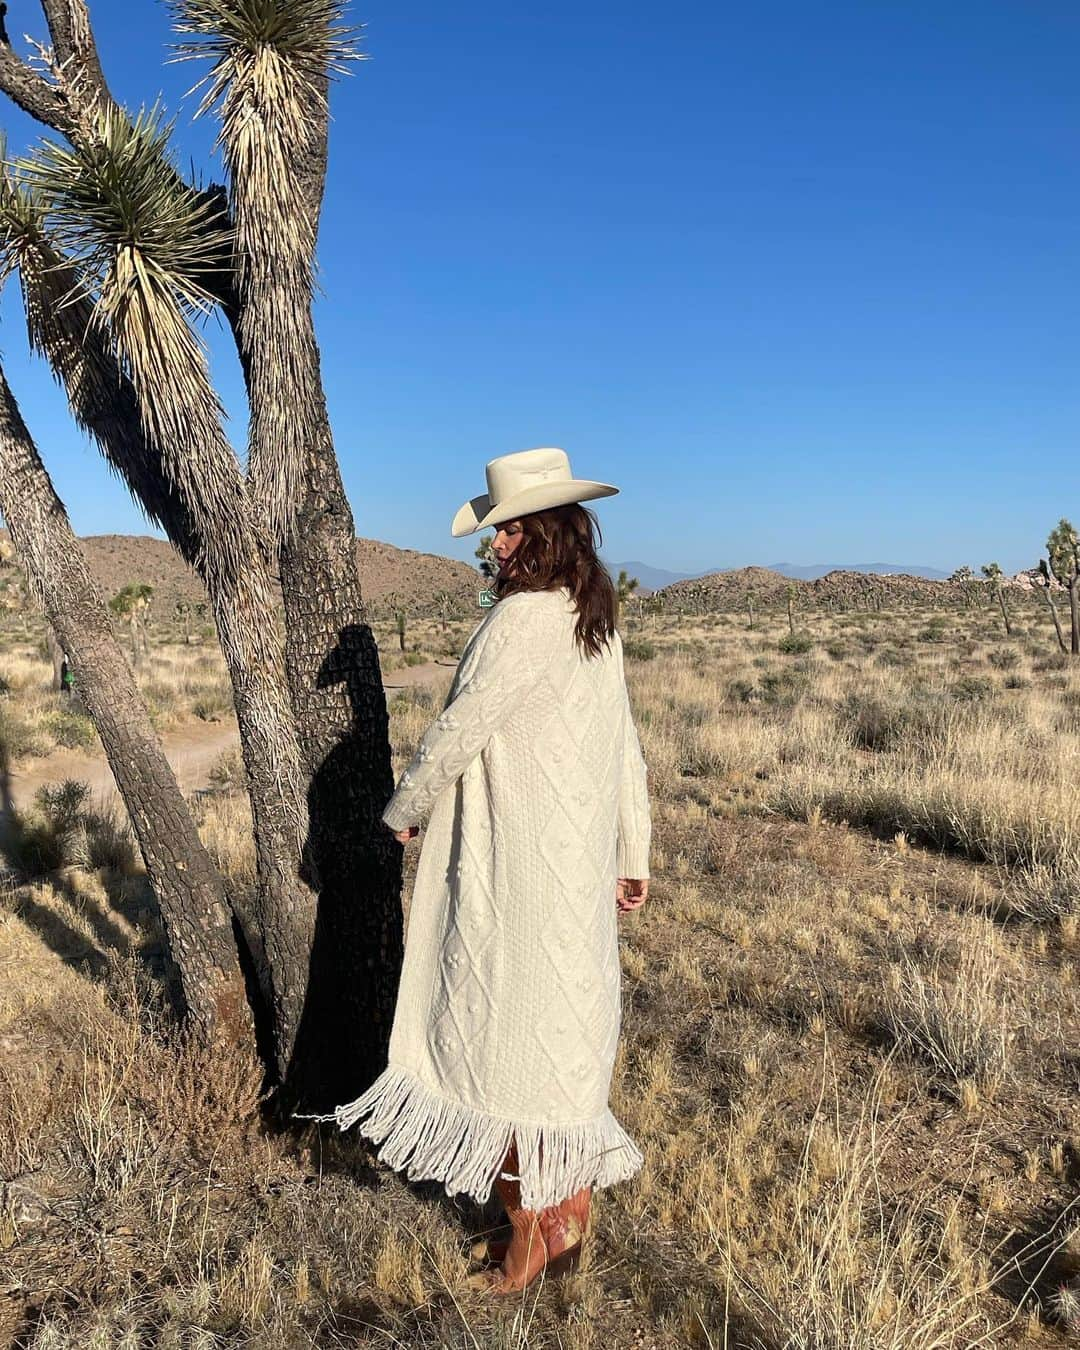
[507, 1017]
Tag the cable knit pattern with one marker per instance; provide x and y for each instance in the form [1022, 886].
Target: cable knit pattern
[508, 1013]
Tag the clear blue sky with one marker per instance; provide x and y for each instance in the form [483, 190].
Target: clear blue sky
[801, 278]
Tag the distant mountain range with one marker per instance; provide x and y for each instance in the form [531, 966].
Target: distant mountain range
[655, 578]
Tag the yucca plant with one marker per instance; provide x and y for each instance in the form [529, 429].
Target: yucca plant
[1063, 549]
[119, 258]
[996, 577]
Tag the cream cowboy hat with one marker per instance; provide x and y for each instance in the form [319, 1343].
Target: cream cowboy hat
[518, 484]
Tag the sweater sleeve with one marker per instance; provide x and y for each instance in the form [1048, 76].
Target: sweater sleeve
[634, 818]
[502, 664]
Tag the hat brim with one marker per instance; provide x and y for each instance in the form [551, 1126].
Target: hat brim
[479, 513]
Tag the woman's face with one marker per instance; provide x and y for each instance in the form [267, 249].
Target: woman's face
[507, 539]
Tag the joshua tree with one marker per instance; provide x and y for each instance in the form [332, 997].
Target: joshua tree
[182, 611]
[993, 573]
[790, 593]
[487, 564]
[1063, 548]
[750, 609]
[189, 891]
[624, 589]
[399, 620]
[117, 255]
[965, 578]
[133, 604]
[1048, 591]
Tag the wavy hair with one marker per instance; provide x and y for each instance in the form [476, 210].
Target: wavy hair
[559, 548]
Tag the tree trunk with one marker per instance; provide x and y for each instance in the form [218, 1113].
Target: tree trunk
[213, 532]
[351, 857]
[56, 656]
[1074, 610]
[194, 911]
[1004, 611]
[1054, 615]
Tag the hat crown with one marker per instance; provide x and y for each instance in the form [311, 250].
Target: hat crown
[511, 474]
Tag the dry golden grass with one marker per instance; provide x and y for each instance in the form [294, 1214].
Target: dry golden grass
[179, 682]
[850, 1057]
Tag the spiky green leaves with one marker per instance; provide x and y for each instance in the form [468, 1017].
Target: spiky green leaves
[1063, 546]
[272, 60]
[136, 248]
[309, 34]
[117, 206]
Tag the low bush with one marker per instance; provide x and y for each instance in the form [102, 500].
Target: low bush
[973, 689]
[74, 731]
[784, 688]
[210, 708]
[795, 644]
[872, 723]
[638, 649]
[956, 1021]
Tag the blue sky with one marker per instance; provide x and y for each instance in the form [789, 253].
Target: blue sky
[802, 279]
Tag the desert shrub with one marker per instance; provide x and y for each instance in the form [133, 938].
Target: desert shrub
[48, 837]
[872, 723]
[795, 644]
[1004, 658]
[784, 688]
[18, 736]
[210, 707]
[894, 659]
[1043, 893]
[72, 730]
[741, 691]
[973, 689]
[933, 632]
[837, 651]
[1052, 661]
[227, 771]
[1017, 682]
[956, 1021]
[638, 649]
[414, 658]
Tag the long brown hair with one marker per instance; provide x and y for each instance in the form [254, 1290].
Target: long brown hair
[558, 548]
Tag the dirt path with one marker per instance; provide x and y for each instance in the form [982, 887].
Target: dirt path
[191, 750]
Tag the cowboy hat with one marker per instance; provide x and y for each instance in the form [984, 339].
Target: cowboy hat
[527, 481]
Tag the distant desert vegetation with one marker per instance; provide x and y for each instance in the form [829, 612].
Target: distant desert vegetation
[851, 1047]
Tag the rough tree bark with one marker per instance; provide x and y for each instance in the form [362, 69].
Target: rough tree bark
[334, 968]
[331, 656]
[189, 891]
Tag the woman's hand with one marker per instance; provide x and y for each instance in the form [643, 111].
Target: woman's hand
[631, 893]
[403, 836]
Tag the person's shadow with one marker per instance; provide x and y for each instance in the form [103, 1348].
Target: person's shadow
[355, 864]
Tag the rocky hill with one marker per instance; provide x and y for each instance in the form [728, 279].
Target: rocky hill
[839, 589]
[391, 577]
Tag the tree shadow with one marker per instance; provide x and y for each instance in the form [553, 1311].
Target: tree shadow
[355, 864]
[1035, 1257]
[21, 842]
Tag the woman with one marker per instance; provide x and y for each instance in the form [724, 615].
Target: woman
[507, 1018]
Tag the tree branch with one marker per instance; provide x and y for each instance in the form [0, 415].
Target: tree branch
[33, 93]
[75, 48]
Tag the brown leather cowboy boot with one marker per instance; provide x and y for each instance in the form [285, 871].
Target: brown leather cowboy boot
[549, 1240]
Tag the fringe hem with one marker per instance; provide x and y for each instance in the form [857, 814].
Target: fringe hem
[432, 1139]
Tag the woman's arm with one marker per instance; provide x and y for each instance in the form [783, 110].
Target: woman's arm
[634, 816]
[509, 655]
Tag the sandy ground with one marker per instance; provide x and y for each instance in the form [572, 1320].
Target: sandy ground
[192, 750]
